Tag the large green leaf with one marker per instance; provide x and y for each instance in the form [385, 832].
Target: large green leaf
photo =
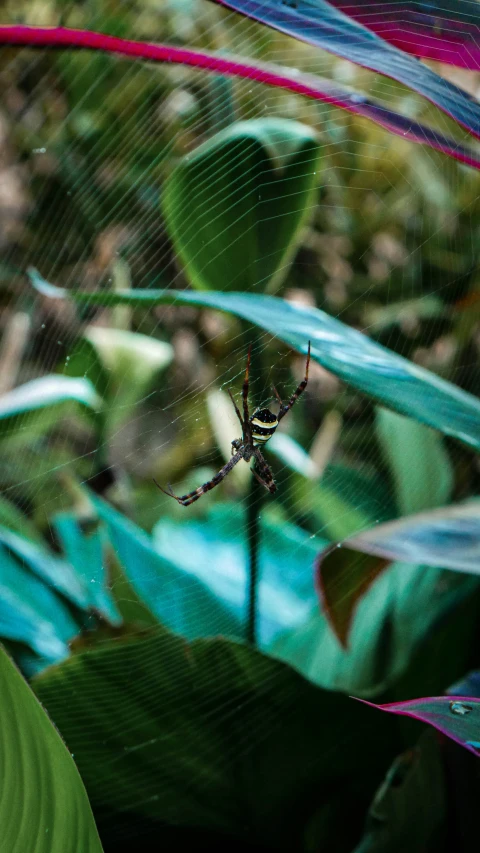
[418, 462]
[210, 734]
[357, 360]
[234, 206]
[43, 804]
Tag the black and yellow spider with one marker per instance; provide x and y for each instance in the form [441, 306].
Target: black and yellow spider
[257, 429]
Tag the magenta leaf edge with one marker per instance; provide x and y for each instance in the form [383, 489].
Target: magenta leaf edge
[306, 85]
[393, 708]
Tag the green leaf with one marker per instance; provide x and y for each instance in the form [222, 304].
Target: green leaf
[38, 404]
[422, 475]
[448, 537]
[49, 568]
[418, 462]
[377, 318]
[192, 575]
[209, 734]
[43, 804]
[31, 612]
[44, 600]
[85, 552]
[14, 519]
[357, 360]
[396, 615]
[358, 500]
[342, 581]
[234, 206]
[122, 366]
[409, 808]
[342, 500]
[338, 517]
[291, 453]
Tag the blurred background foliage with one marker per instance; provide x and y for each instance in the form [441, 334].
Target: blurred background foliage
[113, 397]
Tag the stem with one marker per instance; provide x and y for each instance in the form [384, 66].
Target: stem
[255, 499]
[14, 342]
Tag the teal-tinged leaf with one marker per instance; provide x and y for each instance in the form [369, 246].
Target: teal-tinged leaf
[21, 623]
[215, 553]
[55, 572]
[31, 612]
[352, 356]
[458, 717]
[418, 461]
[43, 804]
[233, 207]
[192, 575]
[210, 734]
[85, 552]
[447, 537]
[187, 607]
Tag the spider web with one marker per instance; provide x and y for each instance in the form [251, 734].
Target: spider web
[86, 143]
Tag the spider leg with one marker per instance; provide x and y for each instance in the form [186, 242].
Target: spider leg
[246, 381]
[257, 476]
[301, 388]
[169, 493]
[277, 395]
[236, 408]
[186, 500]
[266, 476]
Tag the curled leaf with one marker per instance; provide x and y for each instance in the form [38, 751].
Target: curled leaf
[448, 537]
[342, 579]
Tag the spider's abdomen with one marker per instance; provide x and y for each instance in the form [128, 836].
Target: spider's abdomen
[264, 424]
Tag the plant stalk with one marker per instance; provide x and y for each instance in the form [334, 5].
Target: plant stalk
[255, 498]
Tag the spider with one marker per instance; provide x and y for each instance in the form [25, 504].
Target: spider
[257, 429]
